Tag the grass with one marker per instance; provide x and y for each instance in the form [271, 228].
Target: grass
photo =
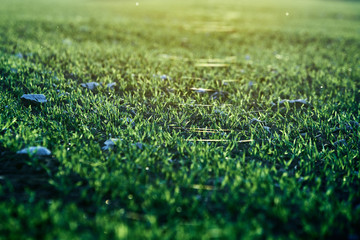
[232, 161]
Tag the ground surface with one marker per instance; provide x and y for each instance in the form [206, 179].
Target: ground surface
[205, 145]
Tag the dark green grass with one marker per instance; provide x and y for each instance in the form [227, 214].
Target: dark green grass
[295, 179]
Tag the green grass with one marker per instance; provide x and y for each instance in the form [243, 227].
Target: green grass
[296, 178]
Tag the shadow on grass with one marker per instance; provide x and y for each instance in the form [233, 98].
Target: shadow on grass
[33, 180]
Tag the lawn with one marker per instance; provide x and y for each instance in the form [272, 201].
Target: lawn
[206, 119]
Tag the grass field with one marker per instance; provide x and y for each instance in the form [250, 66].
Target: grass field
[228, 119]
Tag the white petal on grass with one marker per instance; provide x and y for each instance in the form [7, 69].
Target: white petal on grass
[296, 102]
[36, 151]
[111, 85]
[19, 55]
[64, 94]
[34, 98]
[202, 90]
[162, 77]
[255, 120]
[128, 120]
[139, 145]
[267, 129]
[165, 77]
[110, 143]
[302, 101]
[90, 85]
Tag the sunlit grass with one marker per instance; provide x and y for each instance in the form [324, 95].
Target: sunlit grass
[180, 119]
